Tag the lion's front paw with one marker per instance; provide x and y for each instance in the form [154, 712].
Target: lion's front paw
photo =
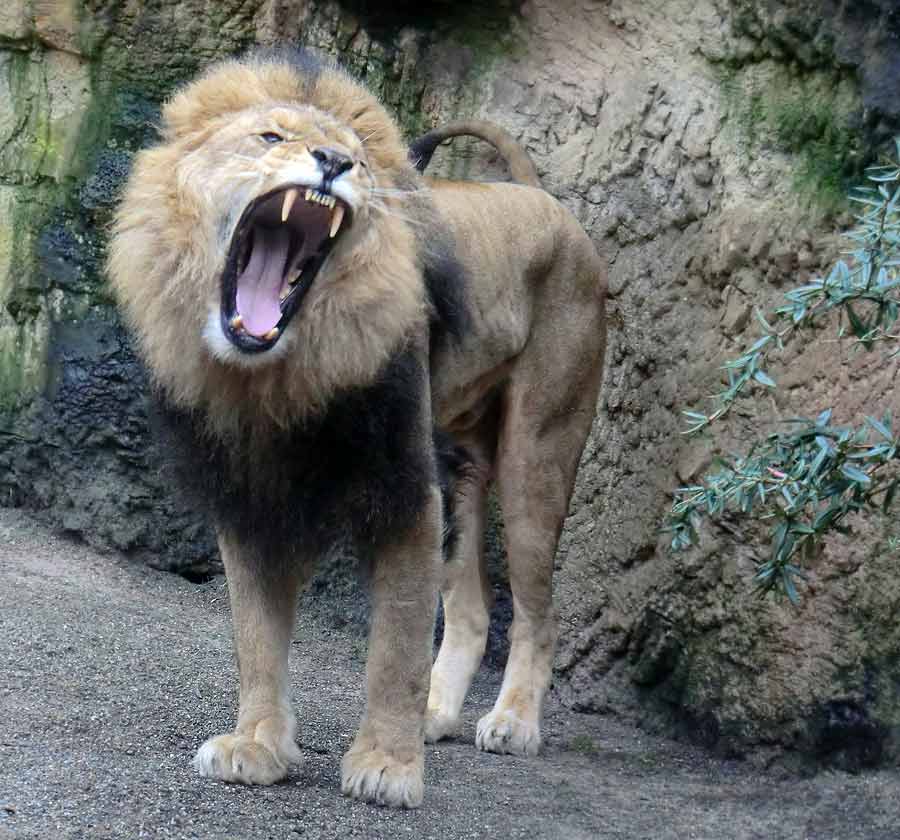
[505, 732]
[374, 775]
[258, 760]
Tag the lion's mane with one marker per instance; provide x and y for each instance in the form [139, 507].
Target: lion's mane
[167, 255]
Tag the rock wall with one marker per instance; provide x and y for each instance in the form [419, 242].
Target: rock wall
[704, 144]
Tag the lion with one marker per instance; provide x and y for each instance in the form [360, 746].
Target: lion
[344, 349]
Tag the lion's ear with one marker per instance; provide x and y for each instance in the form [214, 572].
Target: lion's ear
[227, 88]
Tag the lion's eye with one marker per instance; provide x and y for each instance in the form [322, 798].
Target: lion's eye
[271, 137]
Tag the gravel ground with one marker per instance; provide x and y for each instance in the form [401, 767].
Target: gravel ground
[112, 674]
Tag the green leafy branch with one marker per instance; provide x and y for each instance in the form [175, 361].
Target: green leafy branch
[809, 479]
[867, 278]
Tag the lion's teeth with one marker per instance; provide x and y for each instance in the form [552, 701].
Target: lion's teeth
[289, 198]
[237, 322]
[336, 219]
[308, 195]
[271, 335]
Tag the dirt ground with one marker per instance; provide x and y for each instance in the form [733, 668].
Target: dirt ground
[112, 674]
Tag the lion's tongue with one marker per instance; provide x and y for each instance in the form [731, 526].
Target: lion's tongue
[259, 285]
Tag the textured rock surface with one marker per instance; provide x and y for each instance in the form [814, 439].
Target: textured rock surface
[702, 143]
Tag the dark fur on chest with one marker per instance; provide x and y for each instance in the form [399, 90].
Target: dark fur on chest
[363, 468]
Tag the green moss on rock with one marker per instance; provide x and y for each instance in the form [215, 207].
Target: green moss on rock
[810, 116]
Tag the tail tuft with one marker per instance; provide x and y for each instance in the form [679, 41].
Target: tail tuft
[452, 462]
[521, 166]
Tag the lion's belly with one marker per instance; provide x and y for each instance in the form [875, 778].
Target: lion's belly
[465, 377]
[506, 238]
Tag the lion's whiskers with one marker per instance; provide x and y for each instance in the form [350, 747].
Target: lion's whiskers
[387, 191]
[389, 211]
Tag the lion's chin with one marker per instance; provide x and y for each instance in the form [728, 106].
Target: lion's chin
[221, 346]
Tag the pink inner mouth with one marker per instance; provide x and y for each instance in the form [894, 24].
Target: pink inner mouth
[259, 284]
[282, 241]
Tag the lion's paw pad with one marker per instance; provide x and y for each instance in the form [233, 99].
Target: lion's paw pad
[238, 758]
[505, 732]
[376, 776]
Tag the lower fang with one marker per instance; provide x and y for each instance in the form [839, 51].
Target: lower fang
[271, 335]
[237, 322]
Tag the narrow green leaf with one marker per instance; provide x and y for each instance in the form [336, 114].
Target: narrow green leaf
[789, 588]
[890, 494]
[879, 427]
[855, 475]
[762, 320]
[859, 327]
[758, 345]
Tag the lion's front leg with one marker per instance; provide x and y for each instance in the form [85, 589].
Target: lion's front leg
[386, 761]
[263, 596]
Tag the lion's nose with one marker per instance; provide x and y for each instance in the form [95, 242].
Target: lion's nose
[332, 162]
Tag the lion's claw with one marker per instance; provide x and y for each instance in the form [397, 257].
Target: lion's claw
[248, 760]
[376, 776]
[504, 732]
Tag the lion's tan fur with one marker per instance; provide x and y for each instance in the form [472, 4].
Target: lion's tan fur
[166, 255]
[518, 391]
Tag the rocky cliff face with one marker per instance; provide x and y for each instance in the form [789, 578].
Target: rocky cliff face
[704, 144]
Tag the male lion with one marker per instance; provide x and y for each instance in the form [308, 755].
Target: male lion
[342, 348]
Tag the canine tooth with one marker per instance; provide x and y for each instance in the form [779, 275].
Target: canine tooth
[237, 322]
[308, 195]
[289, 198]
[271, 334]
[336, 219]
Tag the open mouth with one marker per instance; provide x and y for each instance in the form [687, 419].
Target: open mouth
[277, 249]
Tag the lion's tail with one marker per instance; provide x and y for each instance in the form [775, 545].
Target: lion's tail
[521, 167]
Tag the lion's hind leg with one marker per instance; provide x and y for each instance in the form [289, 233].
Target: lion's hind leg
[263, 600]
[467, 597]
[549, 405]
